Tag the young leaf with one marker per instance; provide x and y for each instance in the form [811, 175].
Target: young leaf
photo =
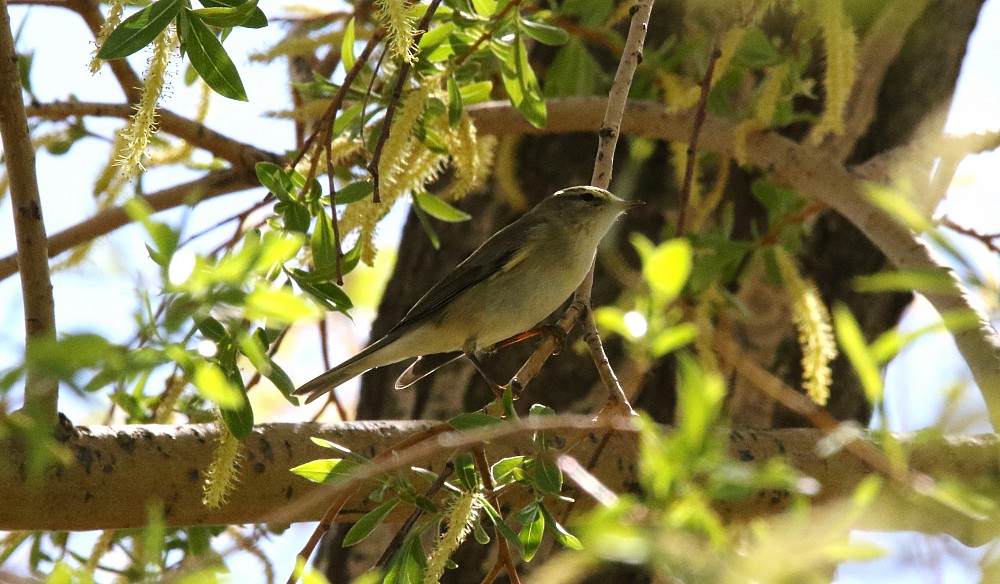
[428, 228]
[326, 470]
[508, 469]
[140, 29]
[545, 33]
[499, 524]
[520, 82]
[226, 17]
[454, 102]
[354, 192]
[257, 18]
[323, 245]
[347, 46]
[210, 59]
[368, 522]
[546, 476]
[559, 532]
[439, 209]
[465, 469]
[531, 536]
[471, 420]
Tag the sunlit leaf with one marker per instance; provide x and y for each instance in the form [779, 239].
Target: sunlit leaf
[368, 522]
[140, 29]
[439, 209]
[325, 470]
[210, 59]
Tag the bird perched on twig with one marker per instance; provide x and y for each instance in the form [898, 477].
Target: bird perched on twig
[507, 286]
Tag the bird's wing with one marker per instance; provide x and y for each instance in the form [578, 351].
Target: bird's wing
[490, 258]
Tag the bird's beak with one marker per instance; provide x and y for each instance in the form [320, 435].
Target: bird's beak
[633, 204]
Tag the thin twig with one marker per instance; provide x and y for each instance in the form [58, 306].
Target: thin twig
[614, 112]
[397, 93]
[503, 549]
[214, 184]
[692, 149]
[40, 391]
[397, 540]
[987, 239]
[192, 132]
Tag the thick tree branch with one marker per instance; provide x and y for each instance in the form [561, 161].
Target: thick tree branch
[811, 173]
[117, 470]
[40, 393]
[220, 182]
[194, 133]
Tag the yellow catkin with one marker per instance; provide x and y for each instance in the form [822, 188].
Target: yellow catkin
[221, 475]
[470, 160]
[714, 197]
[768, 96]
[400, 27]
[506, 176]
[142, 124]
[840, 46]
[462, 516]
[110, 23]
[812, 320]
[680, 93]
[731, 42]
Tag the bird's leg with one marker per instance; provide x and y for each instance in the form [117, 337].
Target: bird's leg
[553, 330]
[494, 386]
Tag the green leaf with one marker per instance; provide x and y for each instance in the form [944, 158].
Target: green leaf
[213, 329]
[546, 475]
[540, 410]
[368, 522]
[672, 339]
[326, 293]
[756, 51]
[354, 192]
[508, 469]
[346, 117]
[425, 223]
[279, 304]
[347, 46]
[407, 565]
[531, 535]
[574, 71]
[852, 340]
[226, 17]
[210, 59]
[257, 18]
[500, 525]
[472, 420]
[545, 33]
[213, 385]
[440, 209]
[323, 244]
[560, 533]
[476, 92]
[239, 420]
[667, 269]
[275, 179]
[520, 82]
[454, 102]
[465, 470]
[484, 8]
[325, 470]
[140, 29]
[926, 281]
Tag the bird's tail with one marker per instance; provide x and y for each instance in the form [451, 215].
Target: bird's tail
[344, 372]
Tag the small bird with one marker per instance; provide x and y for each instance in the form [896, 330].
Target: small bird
[507, 286]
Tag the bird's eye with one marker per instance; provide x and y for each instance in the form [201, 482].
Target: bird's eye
[587, 197]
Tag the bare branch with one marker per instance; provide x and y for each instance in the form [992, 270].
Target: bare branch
[194, 133]
[41, 394]
[212, 185]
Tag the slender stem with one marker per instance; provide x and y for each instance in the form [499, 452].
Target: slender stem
[397, 93]
[40, 392]
[213, 184]
[692, 149]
